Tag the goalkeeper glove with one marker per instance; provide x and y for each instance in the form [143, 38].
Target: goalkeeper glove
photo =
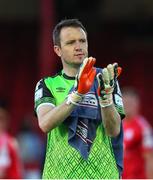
[83, 82]
[106, 81]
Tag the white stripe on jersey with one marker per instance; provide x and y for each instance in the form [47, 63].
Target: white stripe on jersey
[43, 104]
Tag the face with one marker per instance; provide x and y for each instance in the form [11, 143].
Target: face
[74, 46]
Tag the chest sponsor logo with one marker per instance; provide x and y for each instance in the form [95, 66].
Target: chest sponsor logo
[60, 89]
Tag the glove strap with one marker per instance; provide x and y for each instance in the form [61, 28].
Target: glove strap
[74, 98]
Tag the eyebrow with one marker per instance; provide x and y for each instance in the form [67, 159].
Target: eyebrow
[73, 40]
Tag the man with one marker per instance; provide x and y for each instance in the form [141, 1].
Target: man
[138, 140]
[81, 114]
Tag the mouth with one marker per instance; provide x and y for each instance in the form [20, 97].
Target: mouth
[79, 55]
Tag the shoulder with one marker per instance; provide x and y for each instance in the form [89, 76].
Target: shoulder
[47, 80]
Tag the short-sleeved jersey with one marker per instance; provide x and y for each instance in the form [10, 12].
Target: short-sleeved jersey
[137, 139]
[62, 160]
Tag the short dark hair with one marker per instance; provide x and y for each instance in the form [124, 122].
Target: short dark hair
[65, 23]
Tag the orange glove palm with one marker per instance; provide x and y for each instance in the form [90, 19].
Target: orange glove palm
[84, 81]
[86, 75]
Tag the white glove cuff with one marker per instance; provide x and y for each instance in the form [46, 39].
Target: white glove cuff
[74, 98]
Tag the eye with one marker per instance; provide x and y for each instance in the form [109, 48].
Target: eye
[83, 40]
[71, 42]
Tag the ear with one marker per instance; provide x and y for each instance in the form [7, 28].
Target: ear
[57, 50]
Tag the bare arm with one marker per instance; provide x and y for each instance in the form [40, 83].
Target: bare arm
[49, 117]
[111, 120]
[106, 83]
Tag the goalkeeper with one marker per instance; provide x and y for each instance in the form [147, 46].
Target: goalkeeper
[80, 109]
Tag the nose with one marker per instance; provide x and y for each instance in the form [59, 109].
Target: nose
[78, 46]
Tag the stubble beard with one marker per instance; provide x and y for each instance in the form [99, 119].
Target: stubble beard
[75, 64]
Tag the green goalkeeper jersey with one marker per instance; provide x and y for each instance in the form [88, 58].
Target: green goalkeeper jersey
[62, 160]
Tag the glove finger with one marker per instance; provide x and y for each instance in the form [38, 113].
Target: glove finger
[117, 70]
[100, 79]
[82, 67]
[100, 83]
[110, 69]
[91, 74]
[115, 65]
[105, 76]
[88, 63]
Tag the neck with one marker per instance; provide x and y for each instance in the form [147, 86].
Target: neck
[71, 71]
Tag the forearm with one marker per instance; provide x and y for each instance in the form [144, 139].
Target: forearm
[51, 118]
[111, 120]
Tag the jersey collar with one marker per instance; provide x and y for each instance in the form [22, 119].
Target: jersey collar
[67, 77]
